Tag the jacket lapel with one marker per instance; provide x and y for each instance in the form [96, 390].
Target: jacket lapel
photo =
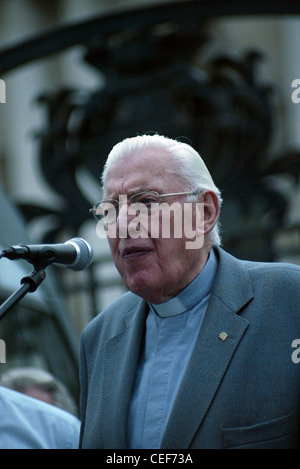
[211, 355]
[120, 362]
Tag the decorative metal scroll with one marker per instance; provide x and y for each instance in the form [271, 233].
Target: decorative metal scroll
[155, 81]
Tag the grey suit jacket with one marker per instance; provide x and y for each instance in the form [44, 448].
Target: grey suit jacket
[241, 392]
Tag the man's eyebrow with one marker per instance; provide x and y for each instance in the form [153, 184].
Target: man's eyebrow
[142, 188]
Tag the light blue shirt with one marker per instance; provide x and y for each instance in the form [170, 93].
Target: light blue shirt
[28, 423]
[171, 332]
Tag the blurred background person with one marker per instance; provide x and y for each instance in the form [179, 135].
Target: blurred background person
[39, 384]
[29, 423]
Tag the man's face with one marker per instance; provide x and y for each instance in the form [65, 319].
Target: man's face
[154, 268]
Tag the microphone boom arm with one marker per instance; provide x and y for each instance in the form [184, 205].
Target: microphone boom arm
[30, 283]
[76, 254]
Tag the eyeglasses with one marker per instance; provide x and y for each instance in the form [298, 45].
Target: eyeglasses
[107, 211]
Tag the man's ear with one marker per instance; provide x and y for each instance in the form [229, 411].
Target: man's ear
[211, 210]
[207, 211]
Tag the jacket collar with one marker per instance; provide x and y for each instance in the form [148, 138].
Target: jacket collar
[120, 363]
[232, 285]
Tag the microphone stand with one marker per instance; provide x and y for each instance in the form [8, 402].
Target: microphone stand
[28, 284]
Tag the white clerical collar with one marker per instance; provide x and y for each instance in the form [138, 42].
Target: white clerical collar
[170, 308]
[199, 288]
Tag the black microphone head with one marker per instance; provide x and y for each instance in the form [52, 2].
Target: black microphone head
[84, 256]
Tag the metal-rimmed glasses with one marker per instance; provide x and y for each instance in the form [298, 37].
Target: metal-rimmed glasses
[107, 210]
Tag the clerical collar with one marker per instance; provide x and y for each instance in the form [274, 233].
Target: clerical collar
[195, 292]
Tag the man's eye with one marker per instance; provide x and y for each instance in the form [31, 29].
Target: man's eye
[148, 200]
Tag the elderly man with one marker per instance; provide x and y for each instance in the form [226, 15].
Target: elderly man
[199, 352]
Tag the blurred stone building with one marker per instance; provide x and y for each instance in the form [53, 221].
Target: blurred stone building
[230, 73]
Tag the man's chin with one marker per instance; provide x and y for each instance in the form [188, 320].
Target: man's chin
[142, 287]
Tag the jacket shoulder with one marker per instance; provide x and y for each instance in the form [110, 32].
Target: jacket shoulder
[279, 279]
[262, 268]
[281, 271]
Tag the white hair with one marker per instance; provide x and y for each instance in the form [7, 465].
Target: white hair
[187, 164]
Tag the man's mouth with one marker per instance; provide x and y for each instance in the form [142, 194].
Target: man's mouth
[132, 252]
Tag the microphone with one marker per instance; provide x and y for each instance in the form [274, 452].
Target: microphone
[76, 254]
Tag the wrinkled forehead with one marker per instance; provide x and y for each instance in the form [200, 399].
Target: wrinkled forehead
[150, 169]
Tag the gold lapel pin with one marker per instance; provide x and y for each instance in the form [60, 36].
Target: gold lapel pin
[223, 336]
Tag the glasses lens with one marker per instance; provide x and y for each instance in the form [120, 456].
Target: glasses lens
[106, 211]
[145, 198]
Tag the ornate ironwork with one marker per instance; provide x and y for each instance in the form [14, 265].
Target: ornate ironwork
[155, 81]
